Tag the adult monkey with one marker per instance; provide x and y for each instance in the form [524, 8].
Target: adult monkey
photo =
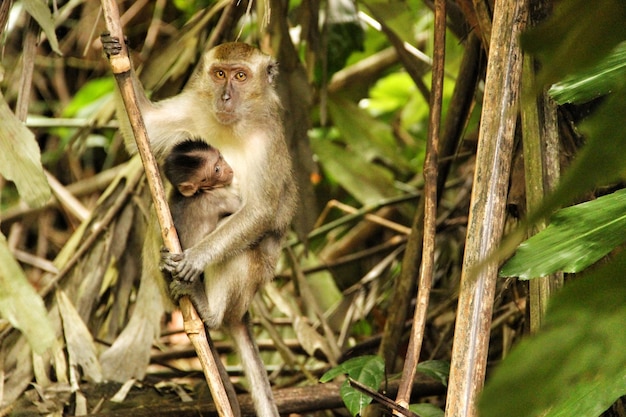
[230, 101]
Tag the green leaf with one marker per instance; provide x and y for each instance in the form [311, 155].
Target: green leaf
[90, 98]
[578, 33]
[20, 158]
[350, 367]
[368, 370]
[365, 181]
[576, 364]
[577, 237]
[368, 137]
[39, 10]
[601, 160]
[20, 304]
[439, 370]
[601, 79]
[426, 410]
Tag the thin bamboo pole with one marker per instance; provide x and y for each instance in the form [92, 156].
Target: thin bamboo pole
[487, 210]
[121, 67]
[430, 210]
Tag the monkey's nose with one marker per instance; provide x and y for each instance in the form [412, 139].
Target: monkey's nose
[226, 96]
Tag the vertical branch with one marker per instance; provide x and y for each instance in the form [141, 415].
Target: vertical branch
[487, 209]
[121, 67]
[430, 209]
[539, 133]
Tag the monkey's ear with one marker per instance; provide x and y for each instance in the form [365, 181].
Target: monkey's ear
[272, 72]
[187, 189]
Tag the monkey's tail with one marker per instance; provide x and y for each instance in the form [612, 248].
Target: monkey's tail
[253, 367]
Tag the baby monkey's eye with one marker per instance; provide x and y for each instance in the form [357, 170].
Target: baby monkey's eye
[241, 76]
[220, 74]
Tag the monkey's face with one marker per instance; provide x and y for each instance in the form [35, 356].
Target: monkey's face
[232, 84]
[216, 173]
[238, 80]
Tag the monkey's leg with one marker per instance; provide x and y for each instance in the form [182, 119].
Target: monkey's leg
[253, 367]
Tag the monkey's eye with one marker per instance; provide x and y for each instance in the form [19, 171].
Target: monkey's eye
[217, 168]
[220, 74]
[241, 76]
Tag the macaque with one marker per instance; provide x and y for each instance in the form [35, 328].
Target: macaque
[231, 102]
[199, 199]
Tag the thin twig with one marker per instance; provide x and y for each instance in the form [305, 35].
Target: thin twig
[430, 210]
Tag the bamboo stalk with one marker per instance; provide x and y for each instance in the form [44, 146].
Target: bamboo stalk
[121, 66]
[487, 210]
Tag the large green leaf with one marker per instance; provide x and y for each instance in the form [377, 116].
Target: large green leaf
[577, 35]
[577, 237]
[576, 364]
[20, 158]
[20, 304]
[601, 79]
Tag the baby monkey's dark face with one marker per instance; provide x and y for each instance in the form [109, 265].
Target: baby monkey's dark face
[195, 166]
[216, 172]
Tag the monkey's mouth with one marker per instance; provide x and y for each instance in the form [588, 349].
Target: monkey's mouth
[226, 117]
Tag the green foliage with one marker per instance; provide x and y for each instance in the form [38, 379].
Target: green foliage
[576, 365]
[368, 370]
[576, 36]
[576, 237]
[603, 78]
[426, 410]
[439, 370]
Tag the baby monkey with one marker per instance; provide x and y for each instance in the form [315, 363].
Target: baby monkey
[198, 201]
[198, 173]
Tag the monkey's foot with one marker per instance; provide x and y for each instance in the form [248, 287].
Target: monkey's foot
[179, 266]
[180, 289]
[110, 44]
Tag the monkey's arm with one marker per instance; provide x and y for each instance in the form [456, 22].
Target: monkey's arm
[165, 125]
[270, 214]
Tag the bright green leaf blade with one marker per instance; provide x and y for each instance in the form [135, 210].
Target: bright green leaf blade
[578, 33]
[39, 10]
[368, 370]
[20, 304]
[20, 158]
[606, 76]
[577, 237]
[576, 362]
[371, 375]
[350, 367]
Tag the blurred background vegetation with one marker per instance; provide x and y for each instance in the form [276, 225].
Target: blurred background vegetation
[355, 83]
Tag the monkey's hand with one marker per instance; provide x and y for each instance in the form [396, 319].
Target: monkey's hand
[179, 265]
[110, 44]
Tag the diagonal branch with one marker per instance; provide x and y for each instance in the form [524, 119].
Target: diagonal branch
[121, 66]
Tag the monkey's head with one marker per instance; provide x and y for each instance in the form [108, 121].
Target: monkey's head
[193, 166]
[239, 81]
